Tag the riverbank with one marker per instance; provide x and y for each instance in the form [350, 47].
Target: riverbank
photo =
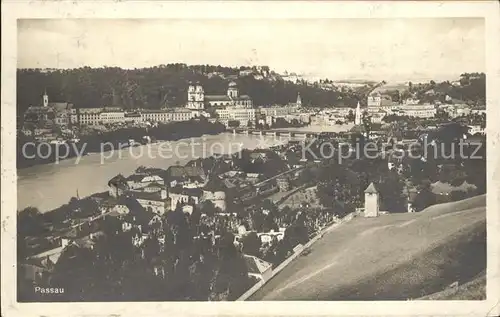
[31, 153]
[49, 186]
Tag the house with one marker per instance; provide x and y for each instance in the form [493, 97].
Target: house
[187, 176]
[154, 187]
[133, 215]
[258, 268]
[35, 271]
[40, 268]
[117, 186]
[283, 183]
[48, 258]
[258, 157]
[153, 201]
[143, 221]
[180, 195]
[84, 239]
[215, 191]
[267, 237]
[138, 181]
[253, 177]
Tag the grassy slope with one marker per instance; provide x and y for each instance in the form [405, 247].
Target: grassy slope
[473, 290]
[459, 258]
[397, 256]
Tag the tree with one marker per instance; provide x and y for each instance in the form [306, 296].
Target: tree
[367, 124]
[424, 198]
[442, 115]
[29, 222]
[306, 177]
[457, 195]
[141, 169]
[350, 116]
[233, 123]
[208, 208]
[251, 244]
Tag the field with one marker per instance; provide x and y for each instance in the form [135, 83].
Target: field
[392, 257]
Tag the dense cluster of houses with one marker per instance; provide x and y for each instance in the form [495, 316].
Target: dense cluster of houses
[141, 202]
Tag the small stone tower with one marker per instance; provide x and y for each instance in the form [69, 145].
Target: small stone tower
[371, 201]
[45, 99]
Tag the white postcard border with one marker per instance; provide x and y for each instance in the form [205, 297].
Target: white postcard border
[18, 9]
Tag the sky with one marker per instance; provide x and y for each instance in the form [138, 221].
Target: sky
[374, 49]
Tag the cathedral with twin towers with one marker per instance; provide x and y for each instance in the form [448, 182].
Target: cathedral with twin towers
[198, 100]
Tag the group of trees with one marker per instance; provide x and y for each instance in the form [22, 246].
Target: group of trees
[269, 164]
[471, 89]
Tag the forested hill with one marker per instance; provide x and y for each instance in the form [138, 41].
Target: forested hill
[166, 85]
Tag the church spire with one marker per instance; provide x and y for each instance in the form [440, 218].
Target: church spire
[45, 98]
[299, 100]
[357, 118]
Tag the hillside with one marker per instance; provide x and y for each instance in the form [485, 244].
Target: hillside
[165, 86]
[392, 257]
[473, 290]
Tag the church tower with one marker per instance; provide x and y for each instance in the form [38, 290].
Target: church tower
[232, 90]
[196, 97]
[371, 201]
[357, 118]
[200, 97]
[299, 100]
[45, 99]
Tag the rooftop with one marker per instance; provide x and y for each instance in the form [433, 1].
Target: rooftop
[371, 189]
[256, 265]
[146, 196]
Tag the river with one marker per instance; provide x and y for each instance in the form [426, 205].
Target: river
[52, 185]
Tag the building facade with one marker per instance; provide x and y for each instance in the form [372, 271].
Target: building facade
[97, 116]
[198, 100]
[242, 115]
[416, 110]
[196, 97]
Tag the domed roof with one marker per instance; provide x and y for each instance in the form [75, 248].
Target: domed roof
[232, 84]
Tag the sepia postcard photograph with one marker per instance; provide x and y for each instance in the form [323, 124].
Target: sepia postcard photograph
[325, 158]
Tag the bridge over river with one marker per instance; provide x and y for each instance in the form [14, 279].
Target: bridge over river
[289, 133]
